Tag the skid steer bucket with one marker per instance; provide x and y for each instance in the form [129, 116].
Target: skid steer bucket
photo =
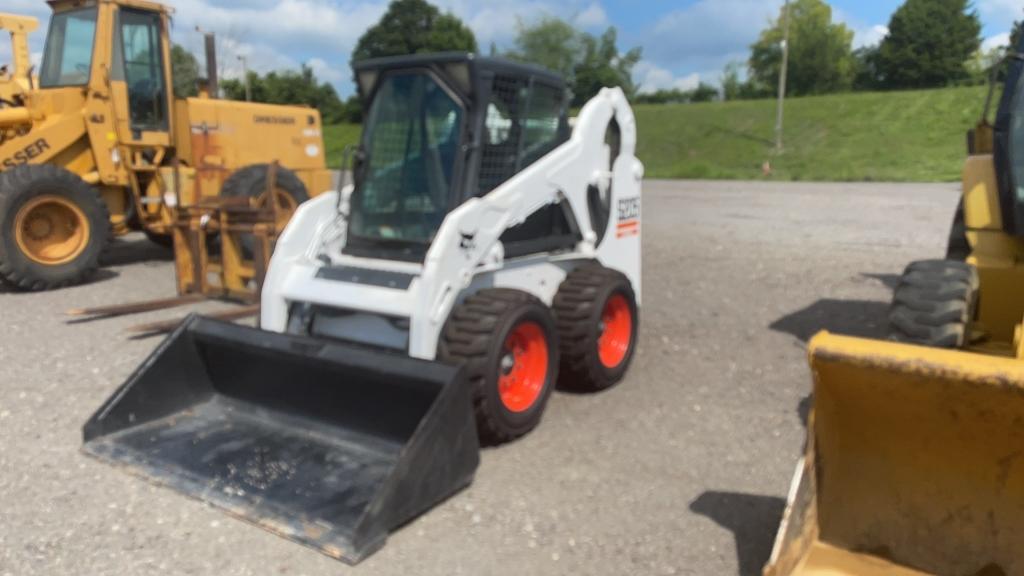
[914, 465]
[324, 444]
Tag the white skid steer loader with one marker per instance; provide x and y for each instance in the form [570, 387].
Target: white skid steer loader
[485, 252]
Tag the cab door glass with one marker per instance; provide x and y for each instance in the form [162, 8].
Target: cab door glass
[140, 52]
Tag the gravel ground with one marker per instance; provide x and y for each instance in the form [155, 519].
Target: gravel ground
[682, 469]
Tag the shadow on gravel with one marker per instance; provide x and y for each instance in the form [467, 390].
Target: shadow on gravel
[127, 252]
[752, 519]
[864, 318]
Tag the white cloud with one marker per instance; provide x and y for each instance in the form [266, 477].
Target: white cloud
[592, 16]
[326, 72]
[651, 78]
[997, 41]
[869, 36]
[1007, 11]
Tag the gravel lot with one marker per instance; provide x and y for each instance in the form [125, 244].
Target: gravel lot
[682, 469]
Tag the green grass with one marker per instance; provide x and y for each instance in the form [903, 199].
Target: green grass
[336, 137]
[877, 136]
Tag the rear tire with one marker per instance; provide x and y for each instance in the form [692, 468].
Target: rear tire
[53, 228]
[251, 182]
[508, 342]
[934, 304]
[597, 321]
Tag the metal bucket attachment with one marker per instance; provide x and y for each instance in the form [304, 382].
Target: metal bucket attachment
[914, 465]
[328, 445]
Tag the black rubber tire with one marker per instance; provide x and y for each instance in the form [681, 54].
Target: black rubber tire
[958, 248]
[475, 336]
[578, 306]
[251, 182]
[162, 240]
[934, 304]
[19, 185]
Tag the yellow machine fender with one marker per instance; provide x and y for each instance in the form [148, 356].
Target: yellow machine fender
[914, 464]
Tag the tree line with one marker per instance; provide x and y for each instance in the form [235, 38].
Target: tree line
[929, 44]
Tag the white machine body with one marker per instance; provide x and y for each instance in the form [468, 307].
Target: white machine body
[404, 305]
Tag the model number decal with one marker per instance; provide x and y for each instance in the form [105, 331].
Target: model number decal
[629, 208]
[26, 154]
[273, 120]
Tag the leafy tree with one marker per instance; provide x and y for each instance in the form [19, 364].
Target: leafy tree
[588, 63]
[929, 44]
[867, 76]
[603, 66]
[551, 42]
[290, 87]
[820, 55]
[412, 27]
[185, 69]
[702, 93]
[733, 88]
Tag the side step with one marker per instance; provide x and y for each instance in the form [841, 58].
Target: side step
[325, 444]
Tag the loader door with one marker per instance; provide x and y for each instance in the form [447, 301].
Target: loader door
[139, 63]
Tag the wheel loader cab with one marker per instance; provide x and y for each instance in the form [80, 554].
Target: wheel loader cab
[120, 48]
[439, 130]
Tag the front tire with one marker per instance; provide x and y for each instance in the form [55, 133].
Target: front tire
[597, 326]
[508, 342]
[934, 304]
[53, 228]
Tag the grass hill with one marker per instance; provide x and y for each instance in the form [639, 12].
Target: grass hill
[873, 136]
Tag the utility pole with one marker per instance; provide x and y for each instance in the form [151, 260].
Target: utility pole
[782, 77]
[245, 77]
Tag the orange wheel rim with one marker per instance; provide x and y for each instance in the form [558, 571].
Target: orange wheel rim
[616, 331]
[524, 367]
[51, 230]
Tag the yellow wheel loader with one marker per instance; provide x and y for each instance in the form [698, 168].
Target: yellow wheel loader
[915, 455]
[16, 78]
[485, 252]
[101, 145]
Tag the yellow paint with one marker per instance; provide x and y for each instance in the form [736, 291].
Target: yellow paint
[51, 230]
[16, 82]
[87, 130]
[916, 457]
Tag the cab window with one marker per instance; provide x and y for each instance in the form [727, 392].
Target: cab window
[139, 55]
[67, 58]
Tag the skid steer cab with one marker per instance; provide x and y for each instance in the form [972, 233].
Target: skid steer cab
[485, 252]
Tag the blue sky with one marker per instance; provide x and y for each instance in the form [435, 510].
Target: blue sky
[684, 41]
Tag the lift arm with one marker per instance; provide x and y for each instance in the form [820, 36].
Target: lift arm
[19, 28]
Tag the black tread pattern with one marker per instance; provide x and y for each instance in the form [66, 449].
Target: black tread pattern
[468, 338]
[934, 304]
[21, 182]
[251, 181]
[575, 306]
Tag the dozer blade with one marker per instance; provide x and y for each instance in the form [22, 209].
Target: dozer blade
[914, 465]
[328, 445]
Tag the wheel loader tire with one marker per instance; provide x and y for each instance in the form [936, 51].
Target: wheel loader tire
[163, 240]
[597, 320]
[508, 342]
[53, 228]
[958, 248]
[251, 182]
[934, 304]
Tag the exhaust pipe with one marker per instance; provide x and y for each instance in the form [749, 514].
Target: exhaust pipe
[327, 445]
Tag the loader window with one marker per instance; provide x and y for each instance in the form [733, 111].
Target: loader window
[67, 58]
[138, 61]
[410, 141]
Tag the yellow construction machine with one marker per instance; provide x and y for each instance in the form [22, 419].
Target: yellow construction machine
[101, 146]
[915, 455]
[16, 76]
